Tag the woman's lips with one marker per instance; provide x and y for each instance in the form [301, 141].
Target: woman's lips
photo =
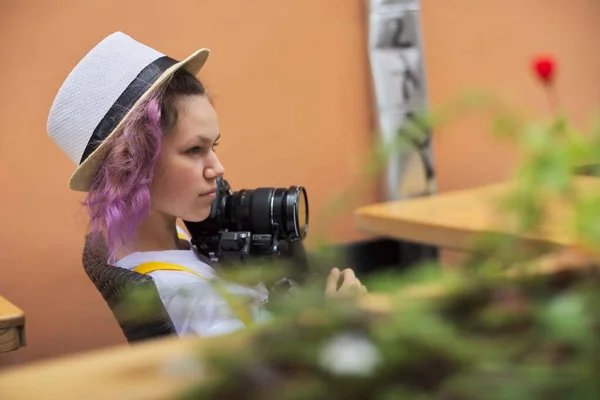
[212, 194]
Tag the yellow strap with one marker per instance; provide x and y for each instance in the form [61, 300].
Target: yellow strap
[152, 266]
[238, 308]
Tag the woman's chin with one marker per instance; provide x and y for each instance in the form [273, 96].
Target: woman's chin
[197, 217]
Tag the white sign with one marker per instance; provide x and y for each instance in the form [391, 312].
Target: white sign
[396, 58]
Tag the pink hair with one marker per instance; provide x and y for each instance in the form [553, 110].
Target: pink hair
[119, 196]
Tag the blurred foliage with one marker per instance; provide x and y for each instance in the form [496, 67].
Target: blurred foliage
[475, 332]
[484, 338]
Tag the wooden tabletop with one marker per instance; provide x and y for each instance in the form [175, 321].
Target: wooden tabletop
[12, 326]
[146, 371]
[454, 219]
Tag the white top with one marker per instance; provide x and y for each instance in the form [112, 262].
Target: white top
[194, 305]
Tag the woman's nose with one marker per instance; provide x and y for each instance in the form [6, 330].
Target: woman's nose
[215, 169]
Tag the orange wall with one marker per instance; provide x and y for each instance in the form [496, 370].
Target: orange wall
[291, 83]
[489, 44]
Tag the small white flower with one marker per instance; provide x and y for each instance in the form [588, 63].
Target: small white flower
[350, 354]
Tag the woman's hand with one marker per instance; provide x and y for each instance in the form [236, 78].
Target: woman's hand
[343, 284]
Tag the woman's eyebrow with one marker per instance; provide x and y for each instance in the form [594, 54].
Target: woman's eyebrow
[198, 140]
[204, 139]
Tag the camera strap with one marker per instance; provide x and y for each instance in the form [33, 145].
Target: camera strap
[237, 307]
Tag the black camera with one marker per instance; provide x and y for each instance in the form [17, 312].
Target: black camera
[251, 223]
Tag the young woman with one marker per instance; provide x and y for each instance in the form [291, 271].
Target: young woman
[143, 132]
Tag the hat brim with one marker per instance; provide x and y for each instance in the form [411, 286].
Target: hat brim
[84, 174]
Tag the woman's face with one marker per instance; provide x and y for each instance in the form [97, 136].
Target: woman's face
[184, 176]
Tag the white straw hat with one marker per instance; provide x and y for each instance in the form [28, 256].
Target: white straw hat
[99, 93]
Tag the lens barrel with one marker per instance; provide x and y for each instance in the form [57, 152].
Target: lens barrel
[278, 211]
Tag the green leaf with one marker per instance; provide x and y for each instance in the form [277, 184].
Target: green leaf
[587, 219]
[506, 126]
[535, 138]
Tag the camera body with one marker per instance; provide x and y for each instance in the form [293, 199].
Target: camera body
[257, 223]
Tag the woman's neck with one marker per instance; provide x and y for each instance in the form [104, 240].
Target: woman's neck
[157, 233]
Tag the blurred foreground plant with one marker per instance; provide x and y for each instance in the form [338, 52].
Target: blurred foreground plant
[501, 328]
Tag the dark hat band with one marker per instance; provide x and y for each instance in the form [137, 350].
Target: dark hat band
[125, 102]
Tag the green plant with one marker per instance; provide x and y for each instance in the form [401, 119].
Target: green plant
[479, 333]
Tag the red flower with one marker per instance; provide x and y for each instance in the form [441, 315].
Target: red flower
[544, 68]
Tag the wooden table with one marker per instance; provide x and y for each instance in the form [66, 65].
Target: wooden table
[146, 371]
[12, 326]
[454, 219]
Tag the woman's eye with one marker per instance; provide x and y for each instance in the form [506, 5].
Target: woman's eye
[195, 150]
[214, 146]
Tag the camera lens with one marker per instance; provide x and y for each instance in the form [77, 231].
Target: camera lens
[302, 213]
[296, 212]
[268, 211]
[281, 213]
